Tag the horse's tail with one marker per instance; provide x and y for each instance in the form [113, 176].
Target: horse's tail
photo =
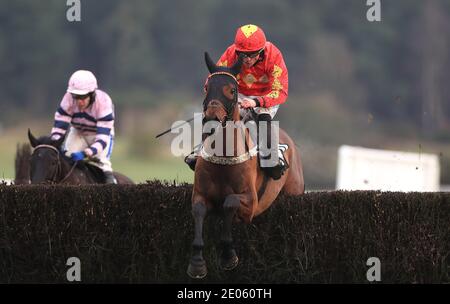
[22, 164]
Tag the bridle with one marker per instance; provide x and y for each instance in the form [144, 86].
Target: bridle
[58, 169]
[228, 107]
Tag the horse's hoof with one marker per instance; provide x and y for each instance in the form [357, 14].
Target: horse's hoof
[230, 263]
[197, 271]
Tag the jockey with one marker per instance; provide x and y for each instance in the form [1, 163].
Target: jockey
[263, 86]
[89, 113]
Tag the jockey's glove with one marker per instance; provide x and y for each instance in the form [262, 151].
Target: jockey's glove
[56, 137]
[76, 156]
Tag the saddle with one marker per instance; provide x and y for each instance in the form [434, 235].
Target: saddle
[92, 170]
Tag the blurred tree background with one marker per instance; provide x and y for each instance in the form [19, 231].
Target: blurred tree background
[351, 81]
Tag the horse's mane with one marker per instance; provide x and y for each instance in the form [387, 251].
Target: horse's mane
[22, 164]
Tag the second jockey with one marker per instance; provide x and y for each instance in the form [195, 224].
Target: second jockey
[88, 114]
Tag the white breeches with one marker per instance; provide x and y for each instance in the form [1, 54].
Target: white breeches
[76, 142]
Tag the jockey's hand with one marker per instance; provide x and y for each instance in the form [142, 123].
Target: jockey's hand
[55, 137]
[247, 103]
[88, 152]
[76, 156]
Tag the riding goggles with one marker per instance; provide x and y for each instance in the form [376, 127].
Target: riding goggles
[75, 96]
[249, 54]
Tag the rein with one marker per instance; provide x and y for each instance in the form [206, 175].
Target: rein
[58, 169]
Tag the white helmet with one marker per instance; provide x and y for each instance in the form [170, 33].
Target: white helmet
[82, 82]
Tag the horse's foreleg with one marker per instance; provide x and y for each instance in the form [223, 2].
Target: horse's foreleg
[229, 259]
[197, 266]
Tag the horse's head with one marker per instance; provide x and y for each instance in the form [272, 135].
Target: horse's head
[45, 159]
[221, 92]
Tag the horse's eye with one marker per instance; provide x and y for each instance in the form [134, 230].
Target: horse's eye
[233, 91]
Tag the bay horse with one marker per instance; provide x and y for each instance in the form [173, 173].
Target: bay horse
[233, 185]
[48, 164]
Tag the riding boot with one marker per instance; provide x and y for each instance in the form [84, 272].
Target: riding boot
[268, 148]
[109, 178]
[191, 160]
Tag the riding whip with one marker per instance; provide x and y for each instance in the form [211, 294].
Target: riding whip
[170, 129]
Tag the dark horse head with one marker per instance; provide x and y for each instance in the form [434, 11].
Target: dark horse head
[45, 161]
[221, 99]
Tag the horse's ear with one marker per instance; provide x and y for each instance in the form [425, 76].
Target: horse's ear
[236, 68]
[210, 64]
[33, 141]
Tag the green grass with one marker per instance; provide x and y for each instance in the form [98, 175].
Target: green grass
[142, 170]
[159, 164]
[7, 153]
